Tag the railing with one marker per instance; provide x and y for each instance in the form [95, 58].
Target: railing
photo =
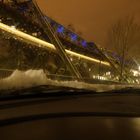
[55, 40]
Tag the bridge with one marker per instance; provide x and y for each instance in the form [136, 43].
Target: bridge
[56, 44]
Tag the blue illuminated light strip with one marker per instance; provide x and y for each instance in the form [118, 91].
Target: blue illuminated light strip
[60, 29]
[84, 43]
[67, 33]
[73, 37]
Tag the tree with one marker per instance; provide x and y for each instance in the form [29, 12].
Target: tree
[123, 35]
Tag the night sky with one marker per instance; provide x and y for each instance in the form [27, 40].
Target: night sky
[91, 17]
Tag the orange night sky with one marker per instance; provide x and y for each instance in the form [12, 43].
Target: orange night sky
[91, 17]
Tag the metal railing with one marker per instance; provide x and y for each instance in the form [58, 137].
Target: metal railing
[55, 40]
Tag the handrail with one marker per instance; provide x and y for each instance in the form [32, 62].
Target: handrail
[43, 44]
[55, 40]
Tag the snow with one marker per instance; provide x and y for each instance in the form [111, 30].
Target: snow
[30, 78]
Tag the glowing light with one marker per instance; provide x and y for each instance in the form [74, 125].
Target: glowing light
[139, 68]
[73, 37]
[135, 73]
[84, 43]
[25, 36]
[13, 27]
[87, 58]
[60, 29]
[41, 43]
[108, 73]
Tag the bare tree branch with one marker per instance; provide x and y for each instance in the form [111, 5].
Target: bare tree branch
[122, 36]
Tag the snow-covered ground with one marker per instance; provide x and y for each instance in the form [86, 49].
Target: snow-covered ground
[20, 79]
